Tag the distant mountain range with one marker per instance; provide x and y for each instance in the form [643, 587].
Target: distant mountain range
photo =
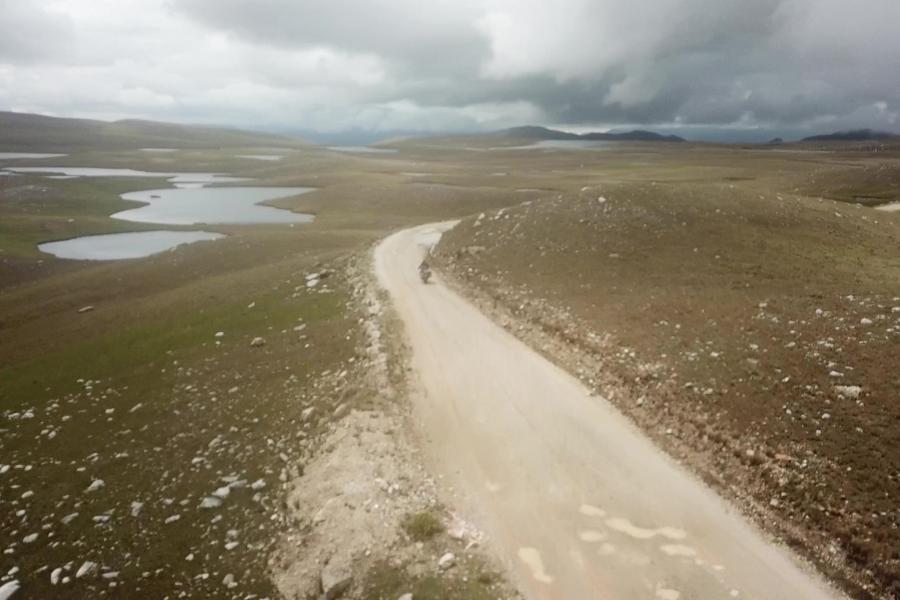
[857, 135]
[543, 133]
[22, 132]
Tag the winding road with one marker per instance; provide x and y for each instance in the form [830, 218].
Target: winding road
[577, 502]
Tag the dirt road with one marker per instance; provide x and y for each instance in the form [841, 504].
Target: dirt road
[576, 500]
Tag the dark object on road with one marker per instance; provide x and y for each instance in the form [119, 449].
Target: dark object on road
[424, 272]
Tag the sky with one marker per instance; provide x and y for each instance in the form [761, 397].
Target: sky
[460, 65]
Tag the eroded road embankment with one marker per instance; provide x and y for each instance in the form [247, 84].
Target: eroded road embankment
[575, 499]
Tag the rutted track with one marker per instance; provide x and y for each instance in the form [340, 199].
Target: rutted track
[576, 500]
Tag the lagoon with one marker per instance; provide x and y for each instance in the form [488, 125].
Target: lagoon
[231, 205]
[176, 178]
[24, 155]
[562, 145]
[363, 149]
[120, 246]
[264, 157]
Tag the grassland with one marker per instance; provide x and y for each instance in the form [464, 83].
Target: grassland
[157, 391]
[141, 393]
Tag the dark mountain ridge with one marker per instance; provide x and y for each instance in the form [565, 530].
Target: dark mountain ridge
[856, 135]
[544, 133]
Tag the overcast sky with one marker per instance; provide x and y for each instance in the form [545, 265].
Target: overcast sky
[455, 65]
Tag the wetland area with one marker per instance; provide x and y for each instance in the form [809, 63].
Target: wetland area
[184, 333]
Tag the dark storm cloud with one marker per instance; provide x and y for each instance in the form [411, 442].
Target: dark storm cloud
[606, 61]
[464, 64]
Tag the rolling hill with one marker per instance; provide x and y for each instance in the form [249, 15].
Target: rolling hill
[22, 132]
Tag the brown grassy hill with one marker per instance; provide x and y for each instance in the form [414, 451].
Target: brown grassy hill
[754, 334]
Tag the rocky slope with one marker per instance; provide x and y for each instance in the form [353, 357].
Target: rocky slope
[754, 336]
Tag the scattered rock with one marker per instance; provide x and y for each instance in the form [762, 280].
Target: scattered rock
[85, 309]
[95, 485]
[258, 342]
[849, 392]
[461, 530]
[8, 589]
[211, 502]
[336, 577]
[229, 582]
[406, 597]
[447, 561]
[339, 496]
[87, 568]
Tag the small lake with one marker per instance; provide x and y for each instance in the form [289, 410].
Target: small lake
[176, 178]
[363, 149]
[232, 205]
[265, 157]
[562, 145]
[121, 246]
[23, 155]
[189, 202]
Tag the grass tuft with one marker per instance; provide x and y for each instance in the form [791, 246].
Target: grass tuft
[423, 526]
